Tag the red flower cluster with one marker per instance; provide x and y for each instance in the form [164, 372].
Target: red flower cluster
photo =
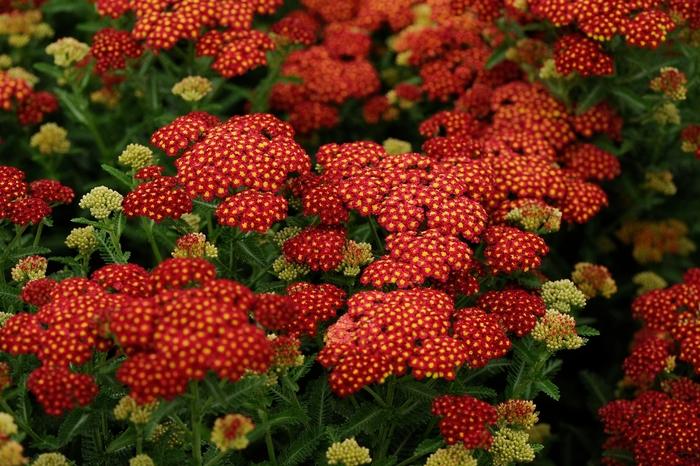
[329, 77]
[388, 333]
[221, 28]
[111, 47]
[245, 161]
[179, 313]
[466, 420]
[301, 311]
[656, 427]
[671, 331]
[31, 106]
[23, 203]
[510, 250]
[319, 248]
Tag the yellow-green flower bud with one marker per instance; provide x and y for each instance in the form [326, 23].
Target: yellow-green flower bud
[50, 139]
[348, 453]
[141, 460]
[136, 156]
[101, 201]
[192, 88]
[67, 51]
[453, 455]
[51, 459]
[562, 296]
[511, 446]
[82, 239]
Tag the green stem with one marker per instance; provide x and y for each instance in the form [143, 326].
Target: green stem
[148, 228]
[268, 438]
[215, 460]
[376, 397]
[375, 233]
[411, 459]
[139, 439]
[196, 431]
[37, 236]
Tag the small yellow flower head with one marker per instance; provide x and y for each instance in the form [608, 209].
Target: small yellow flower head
[194, 245]
[192, 88]
[671, 82]
[356, 255]
[288, 271]
[562, 296]
[18, 40]
[286, 353]
[192, 221]
[348, 453]
[594, 280]
[557, 331]
[660, 181]
[7, 425]
[51, 139]
[667, 114]
[402, 59]
[284, 234]
[511, 446]
[109, 97]
[29, 268]
[43, 30]
[82, 239]
[101, 201]
[422, 13]
[51, 459]
[522, 413]
[540, 432]
[536, 217]
[520, 5]
[11, 454]
[453, 455]
[136, 156]
[128, 408]
[396, 146]
[141, 460]
[670, 364]
[549, 70]
[5, 61]
[230, 432]
[67, 51]
[647, 281]
[20, 73]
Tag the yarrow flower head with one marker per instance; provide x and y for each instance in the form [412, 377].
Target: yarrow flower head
[671, 82]
[83, 239]
[511, 446]
[230, 432]
[194, 245]
[562, 296]
[289, 271]
[535, 217]
[593, 280]
[348, 453]
[141, 460]
[51, 459]
[136, 157]
[452, 455]
[192, 88]
[521, 413]
[355, 256]
[29, 268]
[465, 420]
[667, 114]
[102, 201]
[128, 408]
[660, 181]
[396, 146]
[647, 281]
[7, 425]
[51, 139]
[67, 51]
[557, 331]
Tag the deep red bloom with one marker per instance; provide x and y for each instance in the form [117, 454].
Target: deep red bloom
[58, 389]
[465, 419]
[576, 53]
[157, 200]
[516, 310]
[510, 249]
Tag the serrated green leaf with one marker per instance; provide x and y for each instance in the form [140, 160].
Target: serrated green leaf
[72, 425]
[587, 331]
[549, 388]
[120, 176]
[126, 440]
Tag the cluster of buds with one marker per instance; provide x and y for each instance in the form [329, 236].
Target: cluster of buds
[348, 453]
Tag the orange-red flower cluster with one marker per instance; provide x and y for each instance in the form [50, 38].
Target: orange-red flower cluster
[222, 29]
[244, 161]
[23, 203]
[389, 333]
[31, 106]
[656, 427]
[174, 324]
